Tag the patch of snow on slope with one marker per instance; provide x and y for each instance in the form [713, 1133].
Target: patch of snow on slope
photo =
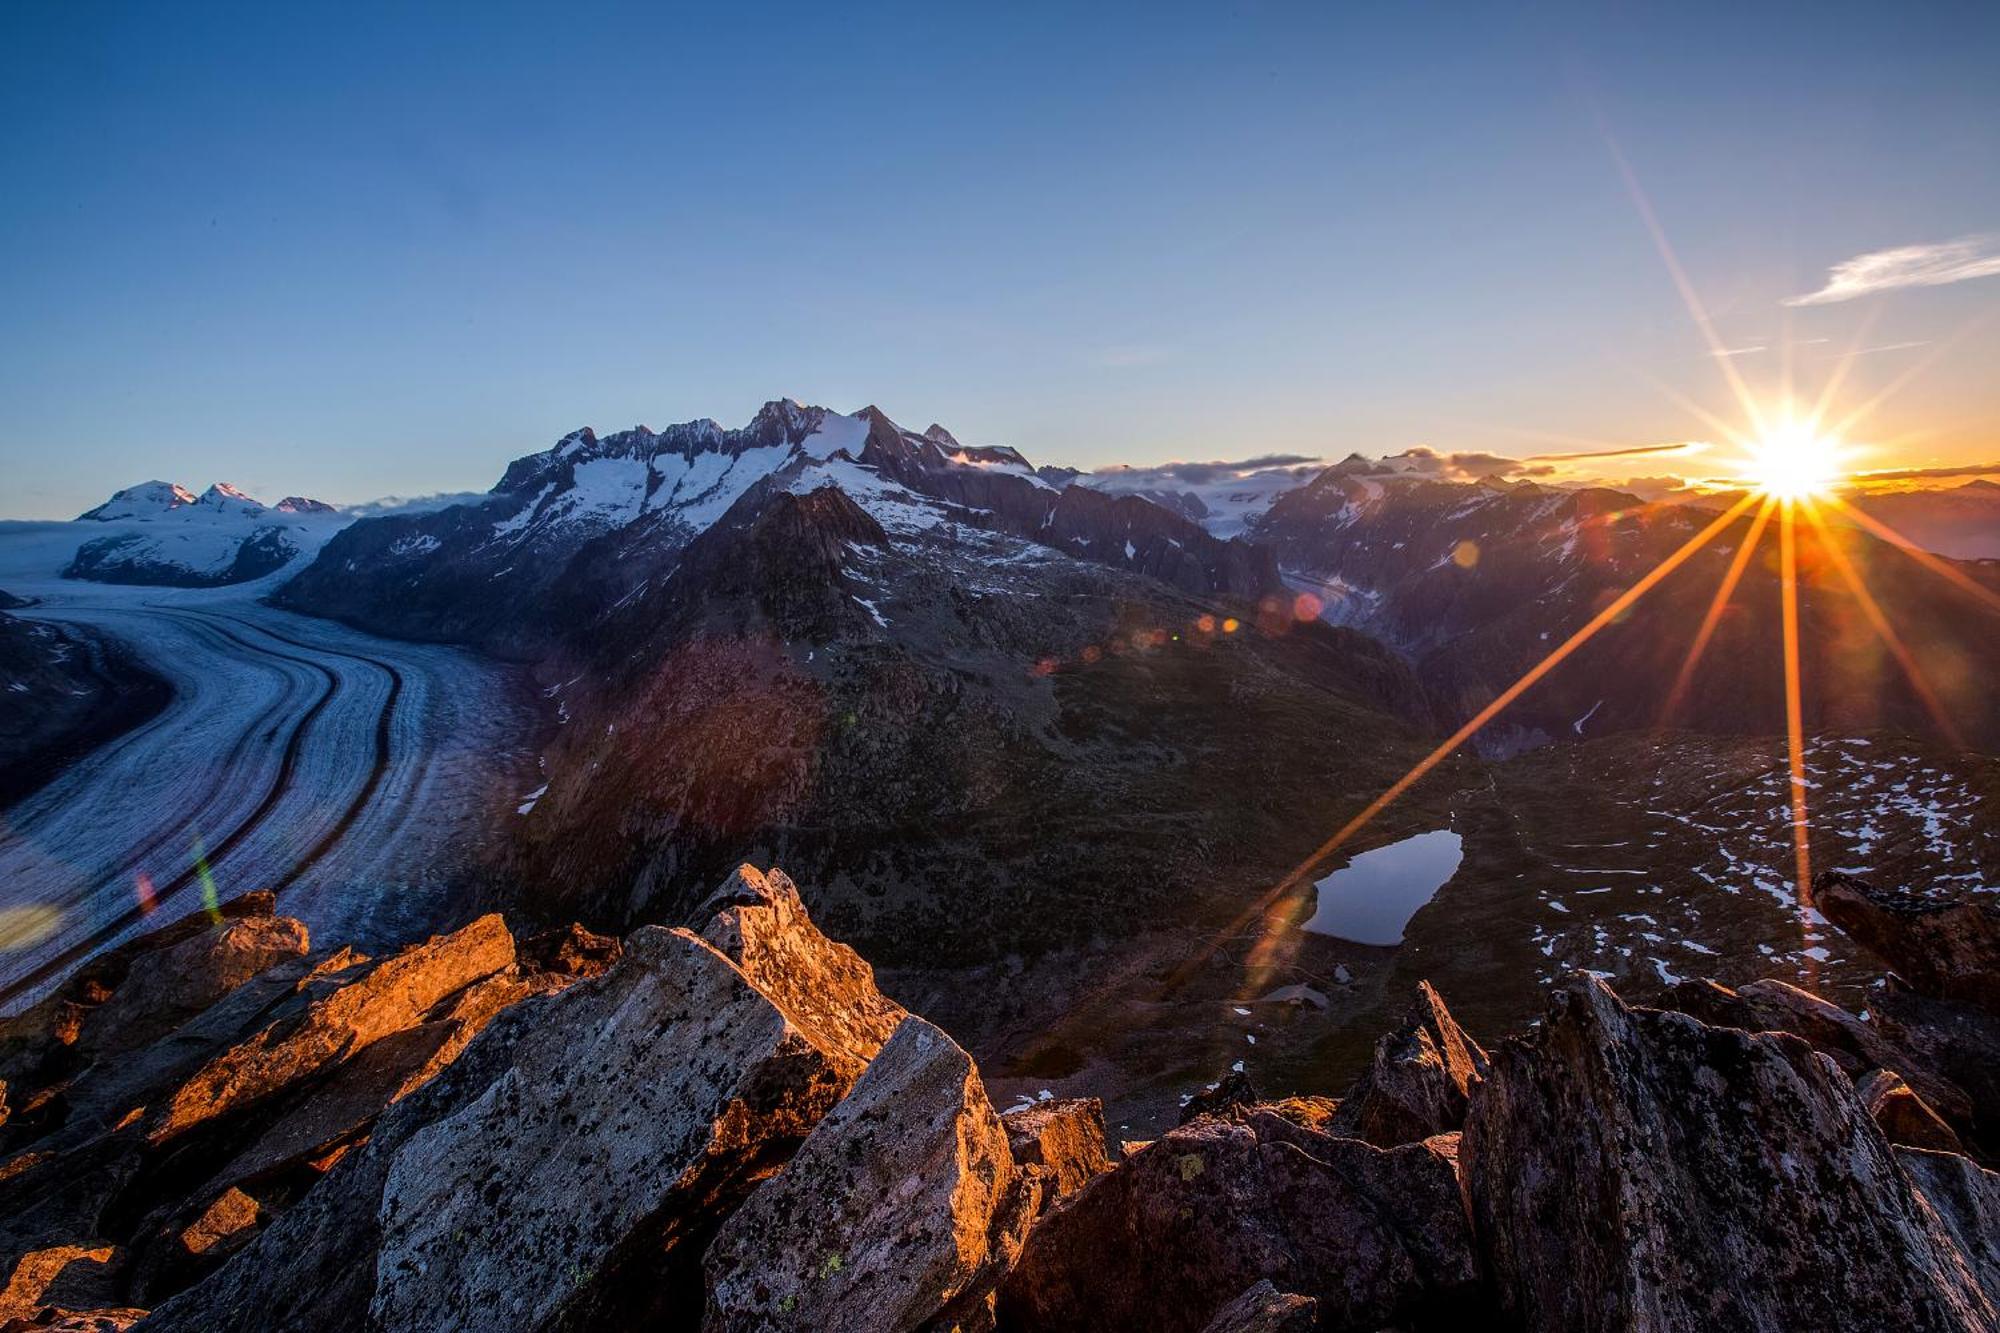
[836, 433]
[897, 509]
[605, 493]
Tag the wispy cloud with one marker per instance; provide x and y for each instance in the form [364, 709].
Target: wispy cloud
[412, 504]
[1879, 347]
[1683, 447]
[1125, 476]
[1739, 351]
[1908, 266]
[1920, 473]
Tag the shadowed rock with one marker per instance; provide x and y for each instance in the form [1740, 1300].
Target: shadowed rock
[1906, 1119]
[1857, 1047]
[1231, 1092]
[166, 987]
[1947, 950]
[1265, 1309]
[58, 1320]
[1966, 1199]
[902, 1202]
[1182, 1228]
[1942, 1009]
[1419, 1081]
[1634, 1168]
[570, 951]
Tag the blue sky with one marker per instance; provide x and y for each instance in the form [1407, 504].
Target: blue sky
[360, 250]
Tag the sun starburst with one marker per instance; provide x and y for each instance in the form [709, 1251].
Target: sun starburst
[1794, 461]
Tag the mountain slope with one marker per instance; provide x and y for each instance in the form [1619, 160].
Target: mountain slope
[988, 732]
[63, 690]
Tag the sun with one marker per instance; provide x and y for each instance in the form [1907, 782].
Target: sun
[1795, 462]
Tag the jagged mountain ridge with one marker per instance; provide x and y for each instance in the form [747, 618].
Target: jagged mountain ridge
[578, 527]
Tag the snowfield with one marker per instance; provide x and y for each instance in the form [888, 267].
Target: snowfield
[348, 773]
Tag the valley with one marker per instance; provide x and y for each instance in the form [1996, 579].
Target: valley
[1041, 744]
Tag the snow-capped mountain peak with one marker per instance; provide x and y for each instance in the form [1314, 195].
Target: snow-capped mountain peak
[146, 500]
[162, 533]
[230, 499]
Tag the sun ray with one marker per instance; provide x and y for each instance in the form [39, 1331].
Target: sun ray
[1612, 611]
[1842, 366]
[1829, 545]
[1795, 748]
[1936, 564]
[1723, 592]
[1689, 297]
[1728, 431]
[1902, 381]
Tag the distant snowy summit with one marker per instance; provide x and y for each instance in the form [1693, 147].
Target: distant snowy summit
[597, 523]
[156, 499]
[164, 534]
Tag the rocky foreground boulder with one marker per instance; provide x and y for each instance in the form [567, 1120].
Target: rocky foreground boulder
[1634, 1168]
[730, 1127]
[1420, 1081]
[1376, 1236]
[903, 1206]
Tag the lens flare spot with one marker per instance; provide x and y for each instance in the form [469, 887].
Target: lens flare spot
[1306, 607]
[142, 889]
[1465, 555]
[211, 899]
[25, 927]
[1231, 625]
